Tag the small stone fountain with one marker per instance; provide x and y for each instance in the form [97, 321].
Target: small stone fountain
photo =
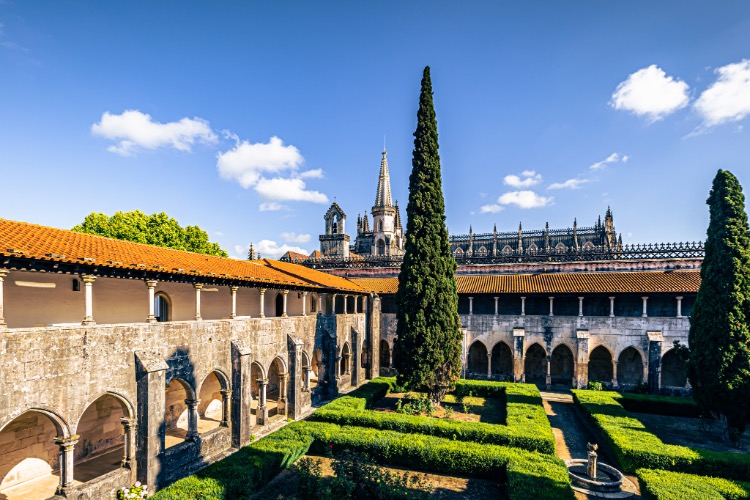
[587, 475]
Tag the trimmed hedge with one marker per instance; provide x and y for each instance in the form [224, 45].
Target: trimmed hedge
[666, 485]
[637, 448]
[528, 474]
[674, 406]
[528, 426]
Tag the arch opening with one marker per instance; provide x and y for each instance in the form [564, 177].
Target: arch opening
[256, 376]
[318, 369]
[629, 368]
[562, 365]
[502, 362]
[673, 369]
[276, 391]
[162, 307]
[381, 247]
[101, 443]
[211, 406]
[345, 363]
[535, 365]
[176, 413]
[600, 365]
[477, 360]
[385, 355]
[279, 305]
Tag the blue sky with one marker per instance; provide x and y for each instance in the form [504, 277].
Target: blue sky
[250, 118]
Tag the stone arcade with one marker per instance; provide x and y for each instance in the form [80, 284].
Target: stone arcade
[121, 362]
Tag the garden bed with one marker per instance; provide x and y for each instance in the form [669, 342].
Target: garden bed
[466, 409]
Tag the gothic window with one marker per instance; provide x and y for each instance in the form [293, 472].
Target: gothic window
[588, 246]
[507, 250]
[380, 226]
[532, 249]
[561, 248]
[381, 246]
[313, 303]
[482, 252]
[459, 252]
[334, 225]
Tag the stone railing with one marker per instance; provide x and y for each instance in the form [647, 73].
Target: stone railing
[651, 251]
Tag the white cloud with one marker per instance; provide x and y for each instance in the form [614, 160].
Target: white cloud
[312, 174]
[490, 209]
[728, 98]
[569, 184]
[288, 190]
[271, 249]
[613, 158]
[270, 206]
[295, 238]
[525, 199]
[527, 179]
[246, 162]
[133, 130]
[650, 92]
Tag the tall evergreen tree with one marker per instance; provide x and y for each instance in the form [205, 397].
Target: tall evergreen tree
[719, 365]
[427, 352]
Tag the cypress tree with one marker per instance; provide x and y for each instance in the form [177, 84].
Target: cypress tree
[719, 365]
[427, 352]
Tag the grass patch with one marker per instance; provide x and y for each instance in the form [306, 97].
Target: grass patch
[667, 485]
[636, 447]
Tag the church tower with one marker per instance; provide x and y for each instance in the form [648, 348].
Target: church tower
[386, 221]
[335, 243]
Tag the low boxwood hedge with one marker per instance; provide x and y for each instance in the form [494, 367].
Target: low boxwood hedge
[636, 447]
[675, 406]
[527, 474]
[667, 485]
[527, 424]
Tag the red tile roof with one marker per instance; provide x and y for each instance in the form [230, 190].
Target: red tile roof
[41, 243]
[601, 282]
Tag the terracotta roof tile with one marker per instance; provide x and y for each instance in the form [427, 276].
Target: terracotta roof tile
[43, 243]
[602, 282]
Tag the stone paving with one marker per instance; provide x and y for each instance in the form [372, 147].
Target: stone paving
[572, 436]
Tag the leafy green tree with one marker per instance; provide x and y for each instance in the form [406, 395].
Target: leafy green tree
[719, 364]
[157, 229]
[427, 352]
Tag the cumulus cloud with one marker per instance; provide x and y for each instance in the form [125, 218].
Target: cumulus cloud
[271, 206]
[650, 92]
[246, 161]
[133, 130]
[295, 238]
[490, 209]
[728, 98]
[525, 199]
[249, 164]
[271, 249]
[288, 190]
[613, 158]
[527, 179]
[569, 184]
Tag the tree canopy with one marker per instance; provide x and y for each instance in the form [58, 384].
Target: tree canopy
[427, 351]
[157, 229]
[719, 365]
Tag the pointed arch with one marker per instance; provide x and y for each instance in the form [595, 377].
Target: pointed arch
[477, 359]
[535, 364]
[673, 369]
[600, 365]
[562, 365]
[507, 250]
[502, 361]
[385, 354]
[629, 367]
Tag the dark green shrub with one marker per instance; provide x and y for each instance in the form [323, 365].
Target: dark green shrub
[674, 406]
[666, 485]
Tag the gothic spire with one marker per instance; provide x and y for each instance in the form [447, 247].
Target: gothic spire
[383, 195]
[397, 224]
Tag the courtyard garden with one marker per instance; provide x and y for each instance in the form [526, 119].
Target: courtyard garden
[513, 458]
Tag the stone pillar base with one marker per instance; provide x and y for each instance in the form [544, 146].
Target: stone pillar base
[262, 415]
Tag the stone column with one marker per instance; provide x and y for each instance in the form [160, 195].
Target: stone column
[233, 292]
[333, 303]
[581, 380]
[523, 306]
[242, 395]
[679, 306]
[356, 299]
[304, 303]
[489, 364]
[655, 340]
[471, 306]
[283, 378]
[88, 287]
[614, 374]
[518, 336]
[611, 307]
[321, 303]
[262, 415]
[67, 445]
[198, 288]
[346, 304]
[150, 375]
[308, 370]
[262, 302]
[284, 294]
[226, 406]
[548, 379]
[496, 299]
[3, 274]
[151, 284]
[551, 306]
[645, 311]
[580, 306]
[192, 414]
[129, 426]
